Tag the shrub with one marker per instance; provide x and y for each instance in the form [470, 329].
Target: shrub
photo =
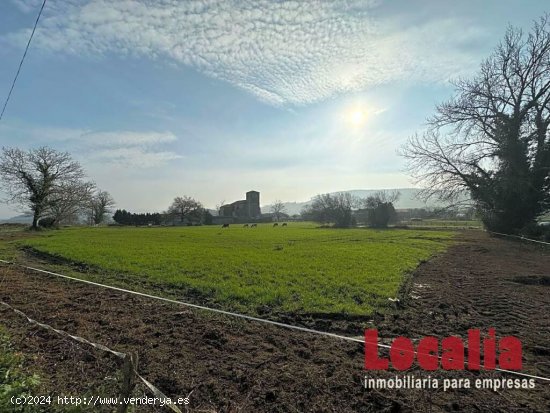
[382, 215]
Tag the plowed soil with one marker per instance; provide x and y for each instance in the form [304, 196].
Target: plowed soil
[231, 365]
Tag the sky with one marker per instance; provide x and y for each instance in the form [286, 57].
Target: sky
[212, 98]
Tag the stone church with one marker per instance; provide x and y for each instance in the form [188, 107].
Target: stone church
[246, 208]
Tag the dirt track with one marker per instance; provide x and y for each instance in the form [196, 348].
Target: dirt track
[234, 365]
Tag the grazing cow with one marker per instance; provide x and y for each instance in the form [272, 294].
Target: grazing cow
[245, 226]
[276, 224]
[284, 224]
[253, 226]
[225, 226]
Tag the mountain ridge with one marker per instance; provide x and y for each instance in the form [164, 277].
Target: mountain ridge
[408, 199]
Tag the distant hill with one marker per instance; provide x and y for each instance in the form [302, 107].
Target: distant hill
[19, 219]
[407, 200]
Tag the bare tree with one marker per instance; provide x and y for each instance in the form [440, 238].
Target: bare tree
[336, 208]
[219, 206]
[100, 204]
[31, 177]
[381, 197]
[185, 208]
[68, 200]
[278, 209]
[491, 139]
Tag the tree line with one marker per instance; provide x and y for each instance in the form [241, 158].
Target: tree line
[123, 217]
[52, 186]
[338, 209]
[170, 217]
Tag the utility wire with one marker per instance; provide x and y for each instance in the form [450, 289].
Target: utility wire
[22, 59]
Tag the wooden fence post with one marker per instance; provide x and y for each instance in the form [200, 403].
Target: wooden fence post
[129, 368]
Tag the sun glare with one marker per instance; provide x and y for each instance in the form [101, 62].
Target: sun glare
[356, 117]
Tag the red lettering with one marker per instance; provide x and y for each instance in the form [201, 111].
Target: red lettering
[427, 353]
[372, 362]
[489, 350]
[402, 353]
[474, 355]
[453, 353]
[510, 353]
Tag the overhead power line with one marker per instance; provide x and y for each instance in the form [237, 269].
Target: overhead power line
[22, 60]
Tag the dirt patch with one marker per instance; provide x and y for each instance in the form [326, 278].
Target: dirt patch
[533, 280]
[232, 365]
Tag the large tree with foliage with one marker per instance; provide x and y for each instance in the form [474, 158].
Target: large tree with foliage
[380, 208]
[491, 139]
[36, 178]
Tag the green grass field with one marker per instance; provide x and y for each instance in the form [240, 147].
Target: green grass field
[296, 269]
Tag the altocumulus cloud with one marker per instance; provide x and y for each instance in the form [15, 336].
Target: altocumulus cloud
[293, 52]
[135, 156]
[128, 148]
[113, 139]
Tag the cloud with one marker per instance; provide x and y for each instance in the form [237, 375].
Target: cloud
[285, 53]
[114, 139]
[135, 157]
[27, 6]
[145, 149]
[128, 148]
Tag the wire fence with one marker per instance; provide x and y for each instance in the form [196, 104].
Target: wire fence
[441, 223]
[518, 237]
[243, 316]
[129, 365]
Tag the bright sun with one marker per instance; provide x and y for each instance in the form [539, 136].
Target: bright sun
[356, 117]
